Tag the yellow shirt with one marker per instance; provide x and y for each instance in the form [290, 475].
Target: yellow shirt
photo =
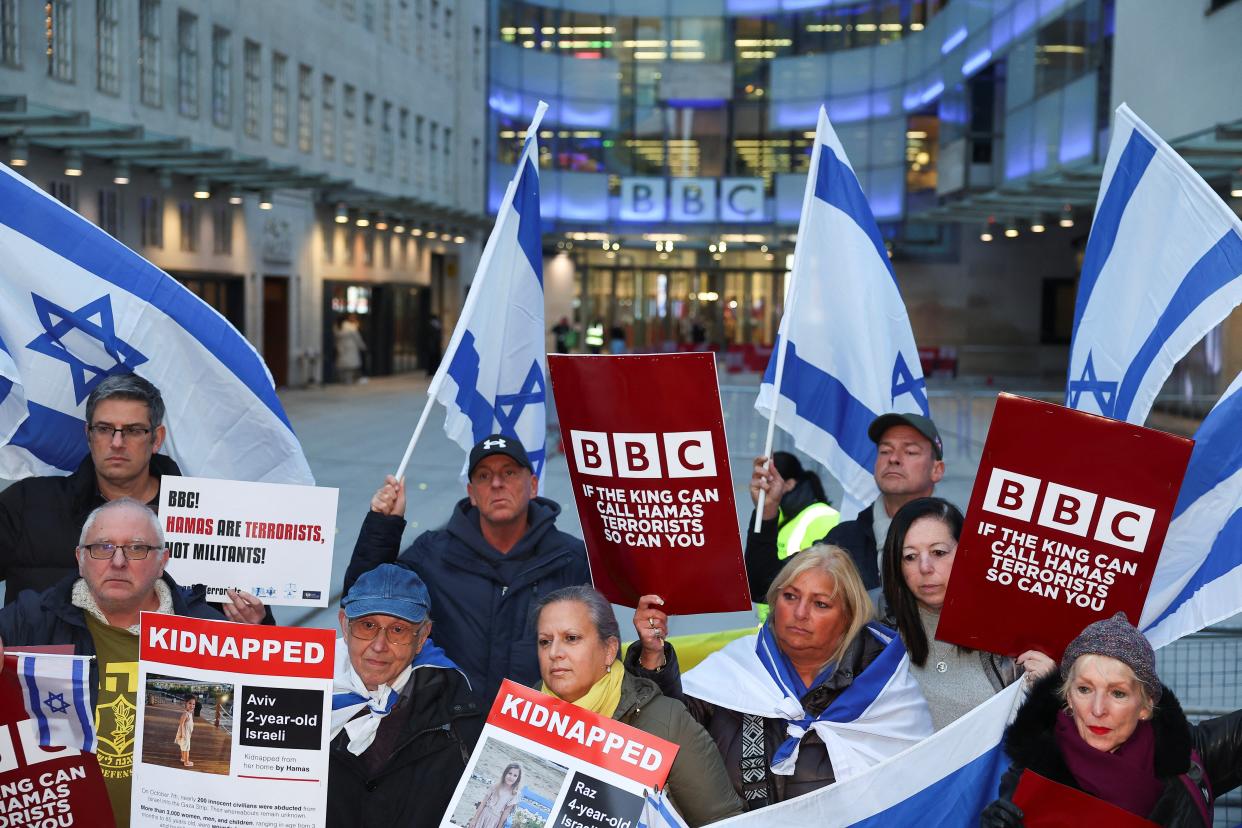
[116, 651]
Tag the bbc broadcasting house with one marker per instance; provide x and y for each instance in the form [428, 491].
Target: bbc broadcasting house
[298, 161]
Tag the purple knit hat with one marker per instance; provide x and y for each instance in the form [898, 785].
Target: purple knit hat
[1116, 638]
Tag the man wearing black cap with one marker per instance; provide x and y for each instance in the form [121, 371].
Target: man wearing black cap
[909, 463]
[499, 552]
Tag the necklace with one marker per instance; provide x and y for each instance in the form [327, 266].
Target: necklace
[942, 666]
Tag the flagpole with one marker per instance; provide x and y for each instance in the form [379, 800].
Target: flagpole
[782, 333]
[472, 298]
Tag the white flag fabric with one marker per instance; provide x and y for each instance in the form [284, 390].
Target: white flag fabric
[493, 379]
[845, 339]
[77, 306]
[658, 812]
[944, 781]
[56, 690]
[1163, 266]
[1198, 579]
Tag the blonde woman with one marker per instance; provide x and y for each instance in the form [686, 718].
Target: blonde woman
[185, 728]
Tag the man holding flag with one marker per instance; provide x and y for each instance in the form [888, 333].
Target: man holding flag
[501, 548]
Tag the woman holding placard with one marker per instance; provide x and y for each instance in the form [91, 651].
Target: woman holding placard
[578, 641]
[1106, 726]
[916, 565]
[819, 695]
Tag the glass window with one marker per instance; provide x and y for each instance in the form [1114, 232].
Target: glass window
[63, 191]
[252, 89]
[403, 138]
[347, 129]
[151, 216]
[150, 77]
[221, 77]
[59, 33]
[110, 212]
[368, 132]
[187, 64]
[280, 99]
[222, 229]
[306, 125]
[107, 67]
[386, 140]
[10, 53]
[188, 213]
[327, 125]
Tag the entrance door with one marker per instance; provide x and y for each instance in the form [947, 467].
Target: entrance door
[276, 327]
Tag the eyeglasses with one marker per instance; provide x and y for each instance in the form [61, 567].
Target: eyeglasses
[364, 629]
[131, 551]
[130, 432]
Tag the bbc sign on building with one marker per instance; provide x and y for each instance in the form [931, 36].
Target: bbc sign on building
[693, 200]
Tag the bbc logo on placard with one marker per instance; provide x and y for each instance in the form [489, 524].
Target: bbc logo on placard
[1117, 522]
[637, 453]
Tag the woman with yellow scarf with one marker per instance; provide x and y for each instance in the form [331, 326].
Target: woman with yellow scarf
[578, 641]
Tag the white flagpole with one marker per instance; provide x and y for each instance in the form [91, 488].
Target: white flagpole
[472, 298]
[782, 333]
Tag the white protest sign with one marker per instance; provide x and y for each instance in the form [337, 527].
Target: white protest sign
[270, 539]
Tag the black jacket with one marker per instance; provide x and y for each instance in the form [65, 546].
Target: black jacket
[427, 740]
[857, 537]
[41, 522]
[1031, 743]
[481, 600]
[49, 617]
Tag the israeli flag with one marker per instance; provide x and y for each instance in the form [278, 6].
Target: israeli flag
[944, 781]
[1198, 579]
[77, 306]
[493, 379]
[845, 352]
[658, 812]
[1163, 266]
[56, 691]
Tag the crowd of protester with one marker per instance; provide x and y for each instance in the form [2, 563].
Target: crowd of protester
[429, 633]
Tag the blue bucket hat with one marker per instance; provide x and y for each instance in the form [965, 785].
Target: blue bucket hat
[388, 590]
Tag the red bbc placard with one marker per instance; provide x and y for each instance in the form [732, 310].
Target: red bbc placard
[43, 786]
[1065, 525]
[597, 740]
[1048, 804]
[644, 437]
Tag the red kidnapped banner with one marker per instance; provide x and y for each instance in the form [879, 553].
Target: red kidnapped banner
[595, 739]
[1048, 804]
[1065, 525]
[43, 786]
[645, 441]
[237, 648]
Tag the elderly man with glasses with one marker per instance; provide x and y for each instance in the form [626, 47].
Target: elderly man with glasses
[121, 557]
[403, 720]
[40, 517]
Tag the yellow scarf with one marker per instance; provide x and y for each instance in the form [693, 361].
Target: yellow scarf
[604, 695]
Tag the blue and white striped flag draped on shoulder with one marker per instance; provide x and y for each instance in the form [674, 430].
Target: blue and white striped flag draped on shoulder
[1163, 266]
[1198, 580]
[57, 694]
[879, 715]
[77, 306]
[493, 379]
[944, 781]
[845, 340]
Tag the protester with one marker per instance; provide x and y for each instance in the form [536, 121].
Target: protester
[499, 552]
[350, 347]
[403, 721]
[578, 642]
[909, 463]
[1107, 726]
[494, 809]
[561, 335]
[616, 340]
[918, 560]
[41, 517]
[121, 558]
[185, 729]
[776, 703]
[796, 513]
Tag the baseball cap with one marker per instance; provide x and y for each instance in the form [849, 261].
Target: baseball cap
[498, 444]
[918, 422]
[388, 590]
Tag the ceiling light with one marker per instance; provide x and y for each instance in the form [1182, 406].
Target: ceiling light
[1067, 216]
[1235, 186]
[73, 163]
[202, 189]
[121, 174]
[235, 196]
[19, 152]
[459, 239]
[398, 228]
[342, 214]
[165, 180]
[362, 220]
[986, 235]
[1037, 223]
[1011, 229]
[431, 234]
[416, 231]
[265, 199]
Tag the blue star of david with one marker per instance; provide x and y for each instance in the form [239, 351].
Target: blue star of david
[56, 702]
[509, 408]
[1105, 393]
[58, 321]
[905, 383]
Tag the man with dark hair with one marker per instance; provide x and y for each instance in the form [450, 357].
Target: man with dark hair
[909, 463]
[40, 517]
[403, 721]
[119, 574]
[500, 551]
